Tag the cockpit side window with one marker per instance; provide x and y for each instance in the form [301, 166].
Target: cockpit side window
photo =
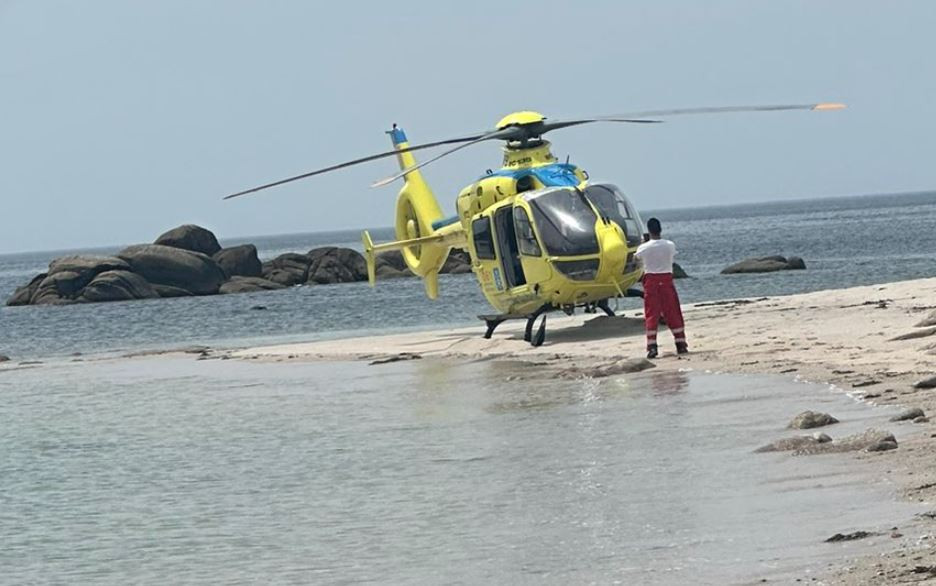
[612, 204]
[526, 238]
[483, 239]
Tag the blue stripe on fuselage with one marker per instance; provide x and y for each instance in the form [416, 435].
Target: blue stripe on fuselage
[555, 175]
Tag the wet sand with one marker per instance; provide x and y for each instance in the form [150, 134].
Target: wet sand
[845, 338]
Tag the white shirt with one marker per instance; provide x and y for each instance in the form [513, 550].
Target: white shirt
[657, 256]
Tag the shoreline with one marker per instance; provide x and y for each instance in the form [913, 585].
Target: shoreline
[844, 338]
[841, 337]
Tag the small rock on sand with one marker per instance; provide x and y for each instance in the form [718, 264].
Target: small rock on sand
[849, 536]
[926, 383]
[921, 333]
[929, 320]
[811, 419]
[623, 366]
[908, 414]
[402, 356]
[922, 419]
[871, 440]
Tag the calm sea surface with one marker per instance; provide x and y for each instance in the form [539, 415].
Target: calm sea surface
[845, 241]
[177, 471]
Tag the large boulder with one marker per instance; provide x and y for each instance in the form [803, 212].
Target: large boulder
[166, 265]
[59, 289]
[287, 269]
[391, 258]
[239, 261]
[190, 237]
[23, 295]
[249, 285]
[89, 266]
[118, 286]
[331, 264]
[765, 264]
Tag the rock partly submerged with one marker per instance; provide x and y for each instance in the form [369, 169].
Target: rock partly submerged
[175, 267]
[811, 419]
[765, 264]
[789, 444]
[249, 285]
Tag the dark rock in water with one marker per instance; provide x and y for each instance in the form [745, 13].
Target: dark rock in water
[190, 237]
[288, 269]
[929, 320]
[908, 414]
[166, 265]
[678, 272]
[789, 444]
[23, 295]
[392, 258]
[118, 286]
[169, 291]
[61, 288]
[765, 264]
[331, 264]
[795, 263]
[849, 536]
[258, 308]
[4, 358]
[926, 383]
[811, 419]
[239, 261]
[249, 285]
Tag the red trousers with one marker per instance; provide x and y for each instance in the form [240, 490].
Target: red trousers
[660, 298]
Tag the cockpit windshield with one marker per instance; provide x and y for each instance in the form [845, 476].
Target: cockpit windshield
[566, 222]
[616, 207]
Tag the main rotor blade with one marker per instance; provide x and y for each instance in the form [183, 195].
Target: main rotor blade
[504, 134]
[631, 116]
[356, 162]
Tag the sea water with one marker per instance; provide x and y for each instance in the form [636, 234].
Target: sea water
[845, 242]
[172, 470]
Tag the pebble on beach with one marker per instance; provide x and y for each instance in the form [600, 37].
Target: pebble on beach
[811, 419]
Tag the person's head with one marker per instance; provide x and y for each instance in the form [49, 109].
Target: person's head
[654, 228]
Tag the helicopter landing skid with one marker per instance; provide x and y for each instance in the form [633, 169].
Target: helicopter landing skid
[492, 321]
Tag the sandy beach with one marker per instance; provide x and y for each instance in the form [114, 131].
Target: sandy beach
[863, 340]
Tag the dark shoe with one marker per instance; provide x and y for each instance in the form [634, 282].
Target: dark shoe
[652, 352]
[682, 348]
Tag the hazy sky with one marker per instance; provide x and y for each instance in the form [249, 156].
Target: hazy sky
[122, 118]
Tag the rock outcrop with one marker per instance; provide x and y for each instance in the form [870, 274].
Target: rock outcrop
[765, 264]
[239, 261]
[189, 261]
[175, 267]
[190, 237]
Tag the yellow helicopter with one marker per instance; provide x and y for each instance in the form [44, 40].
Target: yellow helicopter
[541, 237]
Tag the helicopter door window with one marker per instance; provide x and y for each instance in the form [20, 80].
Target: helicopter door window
[483, 239]
[525, 236]
[507, 244]
[612, 204]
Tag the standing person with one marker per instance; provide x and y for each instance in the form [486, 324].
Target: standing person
[660, 297]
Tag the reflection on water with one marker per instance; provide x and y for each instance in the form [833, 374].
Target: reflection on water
[209, 471]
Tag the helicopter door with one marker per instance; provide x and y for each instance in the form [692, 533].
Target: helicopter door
[507, 245]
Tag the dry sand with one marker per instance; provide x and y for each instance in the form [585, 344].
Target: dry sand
[842, 337]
